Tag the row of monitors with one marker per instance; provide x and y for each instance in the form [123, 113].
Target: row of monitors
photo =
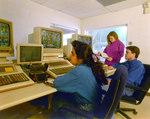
[32, 53]
[51, 39]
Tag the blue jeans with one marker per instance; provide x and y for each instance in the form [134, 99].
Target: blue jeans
[126, 92]
[61, 98]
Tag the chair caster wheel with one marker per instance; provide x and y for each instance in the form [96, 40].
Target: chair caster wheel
[135, 112]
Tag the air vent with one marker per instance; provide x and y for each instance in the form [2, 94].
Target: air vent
[109, 2]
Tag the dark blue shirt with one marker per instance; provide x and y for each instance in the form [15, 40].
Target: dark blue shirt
[136, 71]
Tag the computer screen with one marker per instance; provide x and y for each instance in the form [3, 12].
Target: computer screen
[6, 39]
[83, 38]
[29, 53]
[52, 40]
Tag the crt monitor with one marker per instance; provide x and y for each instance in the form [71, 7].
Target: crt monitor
[29, 53]
[83, 38]
[52, 40]
[6, 39]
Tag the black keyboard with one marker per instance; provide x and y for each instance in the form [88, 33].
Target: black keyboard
[62, 70]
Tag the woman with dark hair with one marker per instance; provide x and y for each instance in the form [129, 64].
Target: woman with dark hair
[114, 49]
[81, 87]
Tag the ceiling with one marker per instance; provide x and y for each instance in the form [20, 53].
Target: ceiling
[88, 8]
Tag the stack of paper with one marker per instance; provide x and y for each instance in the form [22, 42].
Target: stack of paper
[104, 55]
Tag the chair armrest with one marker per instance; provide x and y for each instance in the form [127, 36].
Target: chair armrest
[135, 88]
[78, 111]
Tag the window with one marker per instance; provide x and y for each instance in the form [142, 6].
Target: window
[100, 38]
[67, 32]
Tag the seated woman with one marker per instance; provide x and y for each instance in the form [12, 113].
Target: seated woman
[81, 87]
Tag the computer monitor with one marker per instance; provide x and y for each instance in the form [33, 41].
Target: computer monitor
[29, 53]
[83, 38]
[6, 39]
[52, 40]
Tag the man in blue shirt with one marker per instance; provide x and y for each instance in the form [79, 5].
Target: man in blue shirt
[135, 67]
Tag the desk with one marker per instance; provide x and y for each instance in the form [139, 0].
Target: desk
[109, 72]
[17, 96]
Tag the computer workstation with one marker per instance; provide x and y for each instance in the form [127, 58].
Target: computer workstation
[11, 75]
[19, 93]
[52, 40]
[30, 55]
[48, 43]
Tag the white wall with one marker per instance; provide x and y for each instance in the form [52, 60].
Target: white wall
[138, 27]
[26, 14]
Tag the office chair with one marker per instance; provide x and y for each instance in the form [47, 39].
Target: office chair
[110, 101]
[138, 95]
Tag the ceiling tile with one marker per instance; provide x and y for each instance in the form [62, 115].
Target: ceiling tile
[84, 6]
[93, 13]
[89, 8]
[61, 4]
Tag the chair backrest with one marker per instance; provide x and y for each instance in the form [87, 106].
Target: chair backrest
[114, 93]
[145, 84]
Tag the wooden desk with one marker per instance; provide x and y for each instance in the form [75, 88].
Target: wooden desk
[17, 96]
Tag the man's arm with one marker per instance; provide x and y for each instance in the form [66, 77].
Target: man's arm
[115, 65]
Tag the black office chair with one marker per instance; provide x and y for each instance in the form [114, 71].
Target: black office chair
[110, 101]
[138, 95]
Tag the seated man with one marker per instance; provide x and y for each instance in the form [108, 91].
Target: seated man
[135, 67]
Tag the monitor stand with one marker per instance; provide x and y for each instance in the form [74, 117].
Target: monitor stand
[52, 59]
[3, 60]
[52, 56]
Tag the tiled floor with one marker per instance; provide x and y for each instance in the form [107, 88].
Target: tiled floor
[23, 111]
[18, 112]
[143, 110]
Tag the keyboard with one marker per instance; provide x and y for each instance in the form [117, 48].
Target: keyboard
[14, 80]
[61, 70]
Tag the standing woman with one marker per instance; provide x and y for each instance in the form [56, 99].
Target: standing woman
[114, 49]
[80, 87]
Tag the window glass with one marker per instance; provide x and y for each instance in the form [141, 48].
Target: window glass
[100, 38]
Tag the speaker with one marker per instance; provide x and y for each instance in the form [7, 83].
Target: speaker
[146, 7]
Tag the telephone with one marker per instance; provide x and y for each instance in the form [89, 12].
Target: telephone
[37, 72]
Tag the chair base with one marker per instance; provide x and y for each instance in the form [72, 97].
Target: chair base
[129, 109]
[121, 111]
